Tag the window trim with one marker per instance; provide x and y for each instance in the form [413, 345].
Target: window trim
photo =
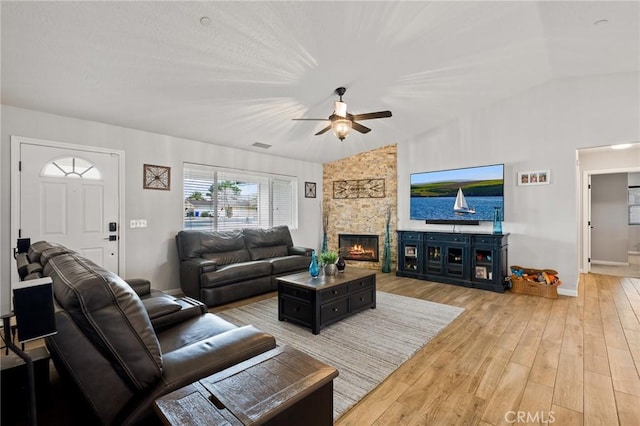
[248, 175]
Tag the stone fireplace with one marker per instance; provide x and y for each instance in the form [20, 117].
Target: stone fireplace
[360, 247]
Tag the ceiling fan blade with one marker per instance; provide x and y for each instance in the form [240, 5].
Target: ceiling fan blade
[360, 128]
[311, 119]
[372, 115]
[323, 131]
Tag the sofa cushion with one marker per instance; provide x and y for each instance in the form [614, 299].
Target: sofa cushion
[36, 249]
[110, 314]
[261, 238]
[228, 257]
[281, 265]
[236, 272]
[49, 253]
[260, 253]
[196, 243]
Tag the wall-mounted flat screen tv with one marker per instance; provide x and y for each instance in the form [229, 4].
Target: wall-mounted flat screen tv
[466, 195]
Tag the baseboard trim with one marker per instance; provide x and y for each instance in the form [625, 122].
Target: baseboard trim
[634, 253]
[568, 292]
[608, 263]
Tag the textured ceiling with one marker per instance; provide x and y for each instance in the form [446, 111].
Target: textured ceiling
[153, 66]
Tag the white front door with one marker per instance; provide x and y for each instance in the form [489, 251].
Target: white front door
[70, 197]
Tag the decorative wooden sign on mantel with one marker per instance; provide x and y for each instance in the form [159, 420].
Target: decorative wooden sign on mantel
[360, 188]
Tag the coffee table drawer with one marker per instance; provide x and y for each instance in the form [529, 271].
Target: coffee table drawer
[334, 310]
[296, 309]
[361, 299]
[295, 292]
[362, 284]
[333, 293]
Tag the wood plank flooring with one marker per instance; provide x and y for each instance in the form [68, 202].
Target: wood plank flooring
[569, 361]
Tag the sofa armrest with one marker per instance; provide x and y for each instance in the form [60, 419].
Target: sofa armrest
[190, 272]
[169, 310]
[140, 285]
[302, 251]
[193, 362]
[160, 306]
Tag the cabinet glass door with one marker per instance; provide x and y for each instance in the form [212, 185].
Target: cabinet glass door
[410, 257]
[434, 259]
[455, 261]
[483, 264]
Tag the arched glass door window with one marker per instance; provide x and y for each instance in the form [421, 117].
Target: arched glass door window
[71, 167]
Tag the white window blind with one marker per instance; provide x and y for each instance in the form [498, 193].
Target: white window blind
[221, 199]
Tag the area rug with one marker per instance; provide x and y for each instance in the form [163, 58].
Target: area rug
[365, 348]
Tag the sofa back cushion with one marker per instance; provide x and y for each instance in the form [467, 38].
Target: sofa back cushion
[228, 257]
[267, 243]
[196, 243]
[36, 249]
[110, 314]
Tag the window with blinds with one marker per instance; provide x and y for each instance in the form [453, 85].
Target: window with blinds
[217, 199]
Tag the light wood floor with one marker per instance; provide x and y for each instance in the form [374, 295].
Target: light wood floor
[570, 361]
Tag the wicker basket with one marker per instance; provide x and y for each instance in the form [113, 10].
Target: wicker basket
[522, 285]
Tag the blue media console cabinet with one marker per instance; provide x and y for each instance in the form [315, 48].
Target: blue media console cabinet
[477, 260]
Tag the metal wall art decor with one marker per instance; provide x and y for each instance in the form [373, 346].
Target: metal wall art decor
[310, 190]
[156, 177]
[360, 188]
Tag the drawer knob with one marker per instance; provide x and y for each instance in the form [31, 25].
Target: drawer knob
[297, 309]
[335, 309]
[335, 291]
[362, 299]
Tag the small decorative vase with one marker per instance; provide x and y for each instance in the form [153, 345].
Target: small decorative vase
[314, 268]
[497, 221]
[341, 264]
[330, 269]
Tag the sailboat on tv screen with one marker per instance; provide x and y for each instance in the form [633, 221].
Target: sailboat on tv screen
[461, 206]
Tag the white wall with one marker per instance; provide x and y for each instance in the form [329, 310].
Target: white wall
[150, 252]
[540, 129]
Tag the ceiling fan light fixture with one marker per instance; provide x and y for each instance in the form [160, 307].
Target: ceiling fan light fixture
[341, 128]
[340, 109]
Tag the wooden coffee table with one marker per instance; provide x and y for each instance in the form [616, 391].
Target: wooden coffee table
[283, 386]
[318, 302]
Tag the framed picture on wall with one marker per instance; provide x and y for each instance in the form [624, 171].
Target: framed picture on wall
[539, 177]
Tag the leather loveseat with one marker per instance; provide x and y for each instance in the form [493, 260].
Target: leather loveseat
[220, 267]
[120, 357]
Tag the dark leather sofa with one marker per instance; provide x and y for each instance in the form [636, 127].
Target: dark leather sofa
[220, 267]
[123, 351]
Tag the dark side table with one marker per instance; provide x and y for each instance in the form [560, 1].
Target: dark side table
[283, 386]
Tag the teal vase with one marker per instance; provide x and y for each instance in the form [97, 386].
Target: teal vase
[314, 268]
[497, 221]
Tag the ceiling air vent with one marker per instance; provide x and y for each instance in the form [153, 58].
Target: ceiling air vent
[262, 145]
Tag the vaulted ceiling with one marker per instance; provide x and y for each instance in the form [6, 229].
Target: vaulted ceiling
[241, 74]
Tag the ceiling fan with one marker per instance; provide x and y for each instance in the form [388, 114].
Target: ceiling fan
[342, 121]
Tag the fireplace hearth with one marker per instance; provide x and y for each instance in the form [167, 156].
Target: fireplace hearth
[358, 247]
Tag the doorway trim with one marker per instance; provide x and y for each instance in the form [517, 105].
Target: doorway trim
[16, 142]
[586, 210]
